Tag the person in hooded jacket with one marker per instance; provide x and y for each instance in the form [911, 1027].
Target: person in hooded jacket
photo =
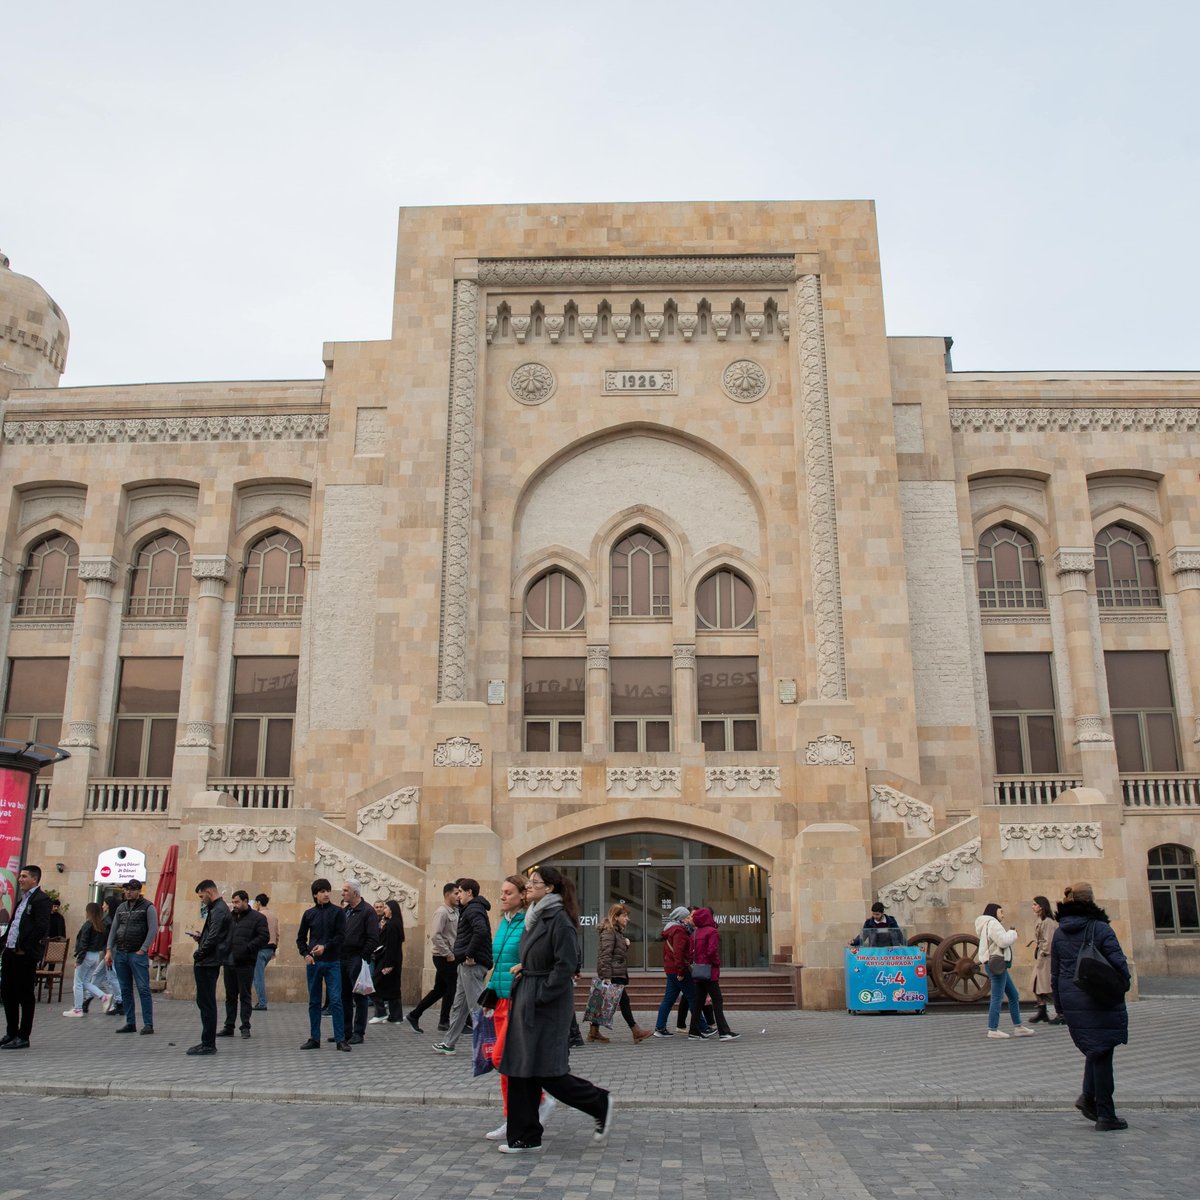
[1096, 1029]
[706, 946]
[677, 964]
[473, 954]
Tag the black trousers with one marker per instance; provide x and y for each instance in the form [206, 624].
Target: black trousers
[525, 1094]
[710, 1000]
[354, 1006]
[17, 985]
[237, 990]
[206, 1002]
[444, 984]
[1099, 1082]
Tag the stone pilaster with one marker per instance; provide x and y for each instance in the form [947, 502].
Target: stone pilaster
[1184, 562]
[596, 731]
[687, 730]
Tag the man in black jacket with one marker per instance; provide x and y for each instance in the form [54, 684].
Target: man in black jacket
[24, 943]
[209, 943]
[360, 936]
[319, 940]
[473, 953]
[247, 934]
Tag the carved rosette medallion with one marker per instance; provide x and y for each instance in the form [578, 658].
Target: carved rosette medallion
[745, 381]
[829, 750]
[458, 752]
[532, 383]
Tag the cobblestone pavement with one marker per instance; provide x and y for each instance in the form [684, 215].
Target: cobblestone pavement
[192, 1148]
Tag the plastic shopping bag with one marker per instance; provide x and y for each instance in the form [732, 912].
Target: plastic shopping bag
[483, 1041]
[363, 985]
[602, 1002]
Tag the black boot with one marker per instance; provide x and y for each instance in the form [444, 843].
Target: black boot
[1039, 1016]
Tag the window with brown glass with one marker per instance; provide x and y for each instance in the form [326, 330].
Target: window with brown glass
[147, 716]
[50, 578]
[262, 718]
[553, 604]
[1024, 713]
[725, 600]
[162, 575]
[640, 704]
[727, 702]
[1142, 703]
[641, 577]
[1126, 574]
[552, 704]
[1171, 871]
[1007, 570]
[33, 708]
[273, 579]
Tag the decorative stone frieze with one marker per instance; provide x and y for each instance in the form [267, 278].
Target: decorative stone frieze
[1082, 839]
[272, 842]
[1014, 618]
[98, 570]
[597, 656]
[396, 808]
[278, 427]
[537, 781]
[197, 733]
[930, 885]
[643, 781]
[684, 656]
[618, 272]
[744, 380]
[889, 804]
[81, 734]
[829, 750]
[458, 752]
[742, 781]
[532, 383]
[1142, 618]
[328, 860]
[1184, 562]
[1091, 728]
[212, 566]
[1075, 420]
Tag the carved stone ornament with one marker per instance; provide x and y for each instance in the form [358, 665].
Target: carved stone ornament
[597, 656]
[98, 570]
[458, 752]
[1185, 566]
[744, 380]
[532, 383]
[198, 733]
[212, 566]
[889, 804]
[621, 324]
[402, 800]
[532, 781]
[1081, 839]
[829, 750]
[742, 781]
[520, 327]
[687, 325]
[670, 269]
[654, 325]
[1069, 560]
[1075, 420]
[643, 779]
[328, 860]
[554, 328]
[233, 841]
[1091, 729]
[754, 325]
[278, 427]
[80, 733]
[684, 656]
[721, 323]
[587, 327]
[489, 327]
[959, 868]
[785, 325]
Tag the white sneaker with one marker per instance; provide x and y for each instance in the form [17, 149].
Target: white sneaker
[376, 1020]
[1022, 1031]
[498, 1134]
[997, 1033]
[106, 1002]
[505, 1148]
[74, 1012]
[546, 1107]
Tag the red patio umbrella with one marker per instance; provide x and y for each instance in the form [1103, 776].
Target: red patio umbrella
[164, 904]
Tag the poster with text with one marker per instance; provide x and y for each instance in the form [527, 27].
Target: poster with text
[14, 809]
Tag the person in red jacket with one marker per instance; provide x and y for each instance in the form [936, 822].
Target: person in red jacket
[706, 970]
[677, 963]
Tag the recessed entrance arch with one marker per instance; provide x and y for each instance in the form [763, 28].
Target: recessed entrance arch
[654, 872]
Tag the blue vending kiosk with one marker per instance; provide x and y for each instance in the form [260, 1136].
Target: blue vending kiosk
[886, 979]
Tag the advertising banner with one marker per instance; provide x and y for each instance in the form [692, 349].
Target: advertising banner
[888, 979]
[14, 817]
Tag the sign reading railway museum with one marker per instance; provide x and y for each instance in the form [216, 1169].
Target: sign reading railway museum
[641, 382]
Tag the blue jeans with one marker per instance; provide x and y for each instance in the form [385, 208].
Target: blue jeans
[675, 985]
[260, 976]
[133, 970]
[1002, 985]
[85, 978]
[327, 976]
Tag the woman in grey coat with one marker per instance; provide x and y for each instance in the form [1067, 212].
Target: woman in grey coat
[543, 1006]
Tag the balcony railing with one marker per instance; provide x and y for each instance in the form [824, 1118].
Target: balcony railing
[1030, 789]
[41, 796]
[131, 796]
[256, 793]
[1160, 791]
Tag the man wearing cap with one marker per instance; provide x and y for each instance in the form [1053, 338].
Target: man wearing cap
[24, 942]
[134, 927]
[879, 918]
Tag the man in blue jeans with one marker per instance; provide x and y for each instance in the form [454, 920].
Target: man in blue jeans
[135, 924]
[677, 963]
[319, 941]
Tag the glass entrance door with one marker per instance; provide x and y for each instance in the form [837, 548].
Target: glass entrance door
[650, 893]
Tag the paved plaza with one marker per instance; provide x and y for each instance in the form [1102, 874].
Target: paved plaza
[822, 1105]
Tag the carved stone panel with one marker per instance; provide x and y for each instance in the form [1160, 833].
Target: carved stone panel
[271, 843]
[742, 781]
[458, 752]
[829, 750]
[1081, 839]
[889, 804]
[557, 782]
[396, 808]
[329, 860]
[643, 781]
[961, 867]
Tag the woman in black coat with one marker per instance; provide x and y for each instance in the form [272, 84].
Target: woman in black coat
[1096, 1029]
[539, 1023]
[388, 959]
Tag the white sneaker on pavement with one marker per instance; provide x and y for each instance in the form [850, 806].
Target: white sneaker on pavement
[498, 1134]
[997, 1033]
[1022, 1031]
[73, 1012]
[376, 1020]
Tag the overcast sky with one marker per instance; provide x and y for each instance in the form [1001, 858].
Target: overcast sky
[210, 191]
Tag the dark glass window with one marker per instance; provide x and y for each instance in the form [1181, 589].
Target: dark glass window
[33, 710]
[161, 578]
[727, 702]
[50, 578]
[552, 702]
[1126, 574]
[725, 600]
[554, 603]
[1143, 710]
[263, 717]
[147, 715]
[1173, 895]
[1024, 713]
[273, 581]
[1007, 570]
[640, 704]
[641, 577]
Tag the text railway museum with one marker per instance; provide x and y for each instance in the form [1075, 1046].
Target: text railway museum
[638, 546]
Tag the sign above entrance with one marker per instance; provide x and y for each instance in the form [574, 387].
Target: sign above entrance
[641, 382]
[120, 864]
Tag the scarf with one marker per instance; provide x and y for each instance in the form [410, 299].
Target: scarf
[544, 907]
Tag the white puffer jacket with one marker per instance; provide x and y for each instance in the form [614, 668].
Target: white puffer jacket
[993, 939]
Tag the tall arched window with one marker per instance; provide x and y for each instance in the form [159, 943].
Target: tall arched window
[161, 577]
[725, 600]
[1007, 570]
[50, 578]
[1126, 576]
[554, 603]
[1172, 874]
[273, 580]
[641, 577]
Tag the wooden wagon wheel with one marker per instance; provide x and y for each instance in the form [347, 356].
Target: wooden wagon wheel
[956, 972]
[928, 942]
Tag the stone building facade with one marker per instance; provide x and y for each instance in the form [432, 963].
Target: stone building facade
[637, 546]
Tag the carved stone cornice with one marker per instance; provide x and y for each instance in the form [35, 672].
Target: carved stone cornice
[530, 781]
[458, 752]
[742, 780]
[1075, 420]
[617, 272]
[277, 427]
[1081, 839]
[961, 867]
[829, 750]
[381, 886]
[1014, 618]
[597, 657]
[889, 804]
[822, 514]
[1184, 562]
[234, 840]
[643, 779]
[385, 808]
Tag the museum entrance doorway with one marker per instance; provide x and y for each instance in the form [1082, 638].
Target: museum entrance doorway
[653, 873]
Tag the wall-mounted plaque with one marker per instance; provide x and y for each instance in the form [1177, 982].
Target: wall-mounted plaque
[641, 382]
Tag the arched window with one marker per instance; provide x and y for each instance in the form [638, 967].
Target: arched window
[1126, 576]
[641, 579]
[554, 603]
[161, 577]
[273, 579]
[1007, 570]
[1172, 875]
[725, 600]
[50, 578]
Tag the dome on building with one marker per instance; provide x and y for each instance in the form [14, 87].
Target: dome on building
[33, 333]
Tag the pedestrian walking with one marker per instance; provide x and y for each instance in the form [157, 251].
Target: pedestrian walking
[262, 904]
[1097, 1028]
[995, 953]
[360, 936]
[23, 947]
[1041, 985]
[535, 1056]
[387, 965]
[612, 956]
[473, 953]
[112, 985]
[246, 934]
[706, 972]
[134, 927]
[319, 940]
[206, 962]
[443, 932]
[677, 965]
[90, 942]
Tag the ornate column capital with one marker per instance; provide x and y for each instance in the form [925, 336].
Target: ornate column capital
[213, 566]
[98, 574]
[1091, 729]
[1073, 565]
[81, 734]
[684, 656]
[197, 733]
[597, 657]
[1184, 562]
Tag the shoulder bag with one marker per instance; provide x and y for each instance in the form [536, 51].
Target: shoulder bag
[1095, 975]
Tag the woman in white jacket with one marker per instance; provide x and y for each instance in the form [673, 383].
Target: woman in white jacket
[995, 940]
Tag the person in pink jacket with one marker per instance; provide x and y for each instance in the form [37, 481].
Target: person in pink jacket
[706, 948]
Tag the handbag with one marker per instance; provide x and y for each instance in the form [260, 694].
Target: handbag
[483, 1041]
[602, 1002]
[363, 985]
[1095, 975]
[702, 971]
[997, 964]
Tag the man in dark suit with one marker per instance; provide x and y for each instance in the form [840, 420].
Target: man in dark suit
[24, 945]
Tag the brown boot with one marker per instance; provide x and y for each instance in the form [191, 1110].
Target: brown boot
[594, 1035]
[640, 1034]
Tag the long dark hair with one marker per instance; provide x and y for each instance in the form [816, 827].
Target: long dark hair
[1043, 905]
[556, 881]
[395, 915]
[95, 916]
[990, 910]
